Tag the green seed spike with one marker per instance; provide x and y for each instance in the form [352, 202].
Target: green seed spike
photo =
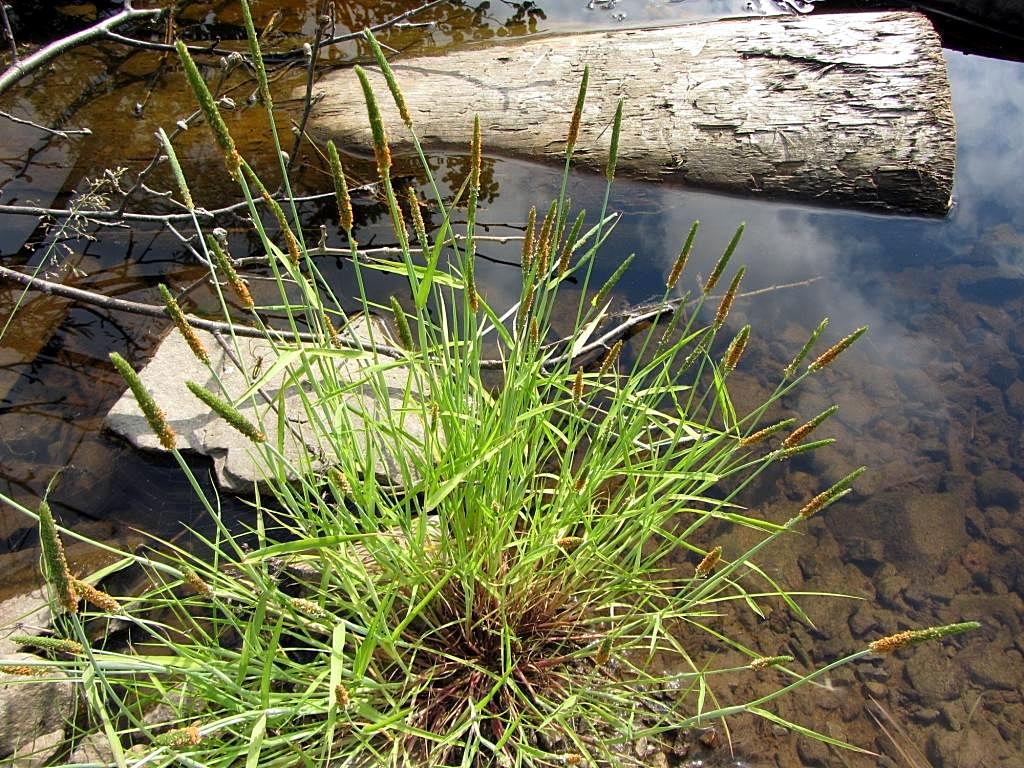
[728, 298]
[380, 138]
[475, 158]
[570, 244]
[831, 495]
[526, 258]
[798, 434]
[209, 109]
[610, 283]
[684, 254]
[401, 324]
[762, 434]
[257, 56]
[186, 330]
[788, 453]
[236, 283]
[418, 225]
[57, 644]
[735, 350]
[341, 193]
[835, 350]
[228, 412]
[763, 662]
[389, 77]
[179, 176]
[471, 293]
[791, 368]
[577, 113]
[154, 414]
[724, 260]
[893, 643]
[55, 565]
[547, 227]
[282, 221]
[613, 151]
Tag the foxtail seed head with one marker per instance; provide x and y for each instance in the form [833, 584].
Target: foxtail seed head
[308, 608]
[97, 597]
[684, 254]
[730, 295]
[525, 305]
[237, 284]
[380, 140]
[341, 482]
[610, 358]
[791, 368]
[570, 244]
[782, 454]
[835, 350]
[389, 77]
[209, 109]
[475, 157]
[341, 193]
[191, 578]
[735, 350]
[577, 113]
[26, 670]
[179, 738]
[417, 217]
[763, 662]
[577, 387]
[179, 175]
[341, 696]
[186, 330]
[55, 644]
[798, 434]
[831, 495]
[762, 434]
[716, 273]
[257, 56]
[55, 565]
[543, 253]
[613, 150]
[569, 543]
[154, 415]
[401, 323]
[602, 294]
[707, 565]
[893, 643]
[228, 412]
[526, 258]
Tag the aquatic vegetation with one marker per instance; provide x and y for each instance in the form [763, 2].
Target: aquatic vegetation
[533, 580]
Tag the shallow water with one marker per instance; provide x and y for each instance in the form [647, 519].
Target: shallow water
[931, 401]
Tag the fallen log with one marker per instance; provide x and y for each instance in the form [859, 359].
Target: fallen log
[851, 110]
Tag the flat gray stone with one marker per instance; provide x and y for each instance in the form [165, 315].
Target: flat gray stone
[25, 614]
[235, 458]
[33, 713]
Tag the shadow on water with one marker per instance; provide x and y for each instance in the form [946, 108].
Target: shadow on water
[932, 402]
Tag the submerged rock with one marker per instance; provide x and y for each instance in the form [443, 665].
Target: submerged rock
[235, 460]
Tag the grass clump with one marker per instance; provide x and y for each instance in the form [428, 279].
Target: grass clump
[526, 588]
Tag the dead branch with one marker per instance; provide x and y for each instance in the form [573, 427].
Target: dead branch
[19, 69]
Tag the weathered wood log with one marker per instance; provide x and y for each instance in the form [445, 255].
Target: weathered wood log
[851, 109]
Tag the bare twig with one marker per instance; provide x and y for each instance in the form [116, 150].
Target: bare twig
[19, 69]
[157, 310]
[119, 217]
[633, 319]
[43, 128]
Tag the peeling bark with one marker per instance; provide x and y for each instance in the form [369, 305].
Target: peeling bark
[850, 110]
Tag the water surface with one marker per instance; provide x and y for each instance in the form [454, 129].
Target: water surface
[931, 401]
